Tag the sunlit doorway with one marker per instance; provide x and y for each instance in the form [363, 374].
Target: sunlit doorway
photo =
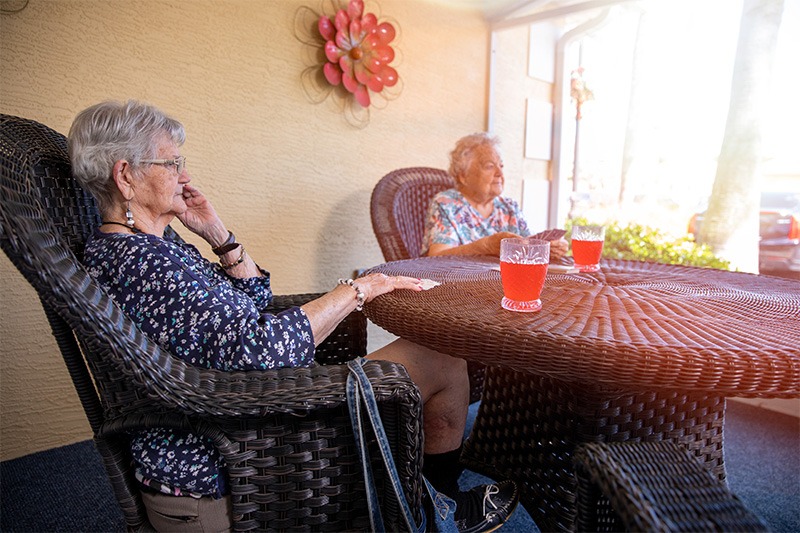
[648, 141]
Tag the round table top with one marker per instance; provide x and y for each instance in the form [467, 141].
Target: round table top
[633, 325]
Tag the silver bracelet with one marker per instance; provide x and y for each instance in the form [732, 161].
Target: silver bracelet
[360, 297]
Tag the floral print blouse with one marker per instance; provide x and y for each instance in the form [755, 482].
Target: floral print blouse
[452, 220]
[191, 308]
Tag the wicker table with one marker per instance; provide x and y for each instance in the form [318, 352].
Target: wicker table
[637, 351]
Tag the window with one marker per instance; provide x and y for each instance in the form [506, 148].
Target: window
[647, 144]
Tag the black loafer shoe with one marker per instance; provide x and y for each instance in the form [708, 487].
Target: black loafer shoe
[486, 507]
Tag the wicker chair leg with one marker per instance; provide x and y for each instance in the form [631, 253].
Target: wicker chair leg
[477, 375]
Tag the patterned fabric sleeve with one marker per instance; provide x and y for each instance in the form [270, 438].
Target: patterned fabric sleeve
[258, 289]
[516, 222]
[181, 301]
[439, 228]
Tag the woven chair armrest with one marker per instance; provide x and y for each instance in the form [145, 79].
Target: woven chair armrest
[256, 393]
[653, 486]
[346, 342]
[294, 391]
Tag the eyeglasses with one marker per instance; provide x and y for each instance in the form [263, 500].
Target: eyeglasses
[491, 166]
[179, 162]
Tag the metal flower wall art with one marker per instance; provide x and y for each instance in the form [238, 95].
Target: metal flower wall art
[358, 51]
[351, 56]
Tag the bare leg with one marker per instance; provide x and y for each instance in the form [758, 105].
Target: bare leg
[444, 385]
[443, 382]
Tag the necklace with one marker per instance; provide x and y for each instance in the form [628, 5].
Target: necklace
[134, 229]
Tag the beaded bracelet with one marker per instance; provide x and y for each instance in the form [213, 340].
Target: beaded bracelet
[360, 297]
[229, 244]
[228, 266]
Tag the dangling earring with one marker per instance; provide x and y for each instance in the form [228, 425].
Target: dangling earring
[129, 216]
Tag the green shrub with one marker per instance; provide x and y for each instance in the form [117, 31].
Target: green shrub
[642, 243]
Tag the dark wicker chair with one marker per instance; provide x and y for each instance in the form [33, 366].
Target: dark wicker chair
[285, 434]
[398, 209]
[653, 486]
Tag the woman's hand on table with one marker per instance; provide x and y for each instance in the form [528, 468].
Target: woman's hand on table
[484, 246]
[558, 249]
[491, 244]
[373, 285]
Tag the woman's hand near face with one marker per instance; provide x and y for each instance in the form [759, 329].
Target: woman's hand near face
[200, 216]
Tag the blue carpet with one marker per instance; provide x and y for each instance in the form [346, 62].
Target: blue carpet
[63, 489]
[762, 458]
[66, 489]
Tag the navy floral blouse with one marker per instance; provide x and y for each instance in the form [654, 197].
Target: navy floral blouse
[191, 308]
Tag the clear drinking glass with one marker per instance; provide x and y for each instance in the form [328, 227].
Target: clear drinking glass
[523, 266]
[587, 247]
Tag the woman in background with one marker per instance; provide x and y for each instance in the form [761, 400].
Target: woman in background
[473, 217]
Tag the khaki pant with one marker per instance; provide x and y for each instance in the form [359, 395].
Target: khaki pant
[181, 514]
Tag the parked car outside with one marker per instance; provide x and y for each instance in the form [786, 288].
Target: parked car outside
[779, 243]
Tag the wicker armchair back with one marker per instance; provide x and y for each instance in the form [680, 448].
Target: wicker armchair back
[398, 208]
[285, 434]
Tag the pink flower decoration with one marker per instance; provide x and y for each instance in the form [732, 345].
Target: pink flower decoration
[358, 51]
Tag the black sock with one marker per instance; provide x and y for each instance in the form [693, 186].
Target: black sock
[443, 470]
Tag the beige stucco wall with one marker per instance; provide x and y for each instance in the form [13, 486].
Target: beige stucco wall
[291, 178]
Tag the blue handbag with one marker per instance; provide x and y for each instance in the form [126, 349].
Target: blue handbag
[359, 392]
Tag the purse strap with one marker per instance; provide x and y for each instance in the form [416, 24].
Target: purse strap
[359, 391]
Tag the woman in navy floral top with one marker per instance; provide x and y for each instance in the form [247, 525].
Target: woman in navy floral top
[213, 315]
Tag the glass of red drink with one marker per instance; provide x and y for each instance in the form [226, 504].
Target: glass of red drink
[587, 247]
[523, 266]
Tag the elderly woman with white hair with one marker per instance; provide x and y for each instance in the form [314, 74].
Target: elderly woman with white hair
[473, 217]
[213, 315]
